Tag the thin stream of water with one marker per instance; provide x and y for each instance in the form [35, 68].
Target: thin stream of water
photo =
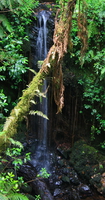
[41, 156]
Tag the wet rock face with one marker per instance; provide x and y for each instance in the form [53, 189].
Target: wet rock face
[89, 164]
[38, 186]
[64, 149]
[66, 183]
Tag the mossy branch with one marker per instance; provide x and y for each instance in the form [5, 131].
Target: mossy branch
[53, 63]
[22, 108]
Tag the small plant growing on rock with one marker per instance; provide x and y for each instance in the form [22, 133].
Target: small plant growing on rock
[43, 173]
[37, 197]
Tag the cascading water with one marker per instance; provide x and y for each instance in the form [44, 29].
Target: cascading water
[41, 55]
[41, 156]
[41, 45]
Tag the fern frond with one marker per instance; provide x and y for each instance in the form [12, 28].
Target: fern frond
[3, 4]
[9, 4]
[33, 71]
[16, 143]
[39, 113]
[1, 32]
[3, 197]
[19, 1]
[17, 196]
[92, 29]
[30, 197]
[5, 22]
[40, 94]
[34, 102]
[6, 186]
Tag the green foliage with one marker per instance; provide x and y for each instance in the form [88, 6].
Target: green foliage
[17, 196]
[91, 73]
[20, 11]
[13, 63]
[3, 101]
[15, 153]
[43, 173]
[5, 25]
[39, 113]
[15, 16]
[3, 197]
[10, 184]
[37, 197]
[61, 4]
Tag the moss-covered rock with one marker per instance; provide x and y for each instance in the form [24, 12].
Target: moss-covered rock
[89, 164]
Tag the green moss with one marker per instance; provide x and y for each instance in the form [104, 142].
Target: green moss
[22, 108]
[86, 159]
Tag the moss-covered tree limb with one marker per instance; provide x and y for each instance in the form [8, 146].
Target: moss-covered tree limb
[22, 108]
[53, 63]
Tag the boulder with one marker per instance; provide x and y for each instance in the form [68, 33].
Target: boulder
[89, 164]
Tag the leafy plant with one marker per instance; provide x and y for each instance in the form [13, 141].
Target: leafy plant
[37, 197]
[10, 184]
[3, 101]
[16, 196]
[15, 17]
[14, 152]
[43, 173]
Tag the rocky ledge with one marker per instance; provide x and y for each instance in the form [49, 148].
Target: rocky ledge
[89, 164]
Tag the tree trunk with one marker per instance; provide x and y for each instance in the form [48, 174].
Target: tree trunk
[52, 64]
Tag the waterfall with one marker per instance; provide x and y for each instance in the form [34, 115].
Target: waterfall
[41, 45]
[41, 156]
[41, 54]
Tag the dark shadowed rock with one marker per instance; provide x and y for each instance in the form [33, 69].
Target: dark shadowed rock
[42, 189]
[84, 190]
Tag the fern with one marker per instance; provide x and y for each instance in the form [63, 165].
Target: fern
[33, 71]
[34, 102]
[17, 196]
[39, 113]
[31, 197]
[3, 3]
[3, 197]
[1, 32]
[16, 143]
[9, 4]
[5, 186]
[5, 24]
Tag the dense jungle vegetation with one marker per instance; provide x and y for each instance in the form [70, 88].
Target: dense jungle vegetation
[84, 60]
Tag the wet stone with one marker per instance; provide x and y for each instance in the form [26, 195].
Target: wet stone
[66, 179]
[64, 149]
[74, 195]
[57, 192]
[66, 170]
[84, 190]
[74, 180]
[58, 182]
[61, 162]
